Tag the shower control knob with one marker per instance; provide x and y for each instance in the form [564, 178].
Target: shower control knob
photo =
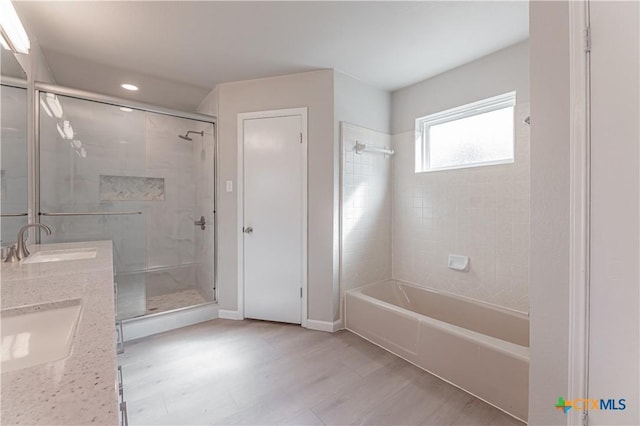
[202, 223]
[248, 230]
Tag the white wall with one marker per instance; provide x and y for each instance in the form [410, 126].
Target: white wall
[614, 348]
[315, 91]
[365, 110]
[550, 168]
[502, 72]
[360, 104]
[480, 212]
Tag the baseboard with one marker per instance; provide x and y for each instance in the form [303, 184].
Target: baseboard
[324, 325]
[158, 323]
[232, 315]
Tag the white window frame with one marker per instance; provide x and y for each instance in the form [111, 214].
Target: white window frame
[423, 124]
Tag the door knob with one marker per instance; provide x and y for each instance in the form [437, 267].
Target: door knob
[247, 230]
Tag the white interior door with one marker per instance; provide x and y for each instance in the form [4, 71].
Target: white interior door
[274, 216]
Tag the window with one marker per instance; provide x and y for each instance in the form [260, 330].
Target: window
[476, 134]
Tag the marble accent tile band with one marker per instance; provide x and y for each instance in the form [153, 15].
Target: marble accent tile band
[131, 188]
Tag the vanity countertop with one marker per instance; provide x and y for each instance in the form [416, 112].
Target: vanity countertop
[79, 389]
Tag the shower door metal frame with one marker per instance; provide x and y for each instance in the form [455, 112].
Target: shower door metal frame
[34, 156]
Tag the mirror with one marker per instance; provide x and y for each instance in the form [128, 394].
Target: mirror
[13, 148]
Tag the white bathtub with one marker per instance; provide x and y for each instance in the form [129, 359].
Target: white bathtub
[480, 348]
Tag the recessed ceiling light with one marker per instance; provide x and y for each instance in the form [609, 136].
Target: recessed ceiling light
[129, 86]
[125, 109]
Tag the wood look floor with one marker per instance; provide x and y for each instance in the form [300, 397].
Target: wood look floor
[259, 373]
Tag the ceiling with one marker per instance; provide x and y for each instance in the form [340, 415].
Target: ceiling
[177, 51]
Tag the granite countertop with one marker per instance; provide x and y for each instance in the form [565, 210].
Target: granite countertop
[79, 389]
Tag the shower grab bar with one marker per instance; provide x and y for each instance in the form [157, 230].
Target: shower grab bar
[361, 147]
[90, 214]
[13, 214]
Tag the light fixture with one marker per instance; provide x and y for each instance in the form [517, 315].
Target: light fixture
[129, 86]
[125, 109]
[12, 34]
[68, 130]
[83, 153]
[45, 108]
[54, 105]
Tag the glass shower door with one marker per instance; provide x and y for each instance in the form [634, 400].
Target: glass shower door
[141, 179]
[93, 185]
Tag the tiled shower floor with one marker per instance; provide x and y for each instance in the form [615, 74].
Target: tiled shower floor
[179, 299]
[135, 298]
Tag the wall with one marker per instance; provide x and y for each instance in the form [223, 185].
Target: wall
[481, 212]
[364, 113]
[360, 104]
[614, 347]
[13, 158]
[203, 161]
[502, 71]
[550, 221]
[366, 209]
[315, 91]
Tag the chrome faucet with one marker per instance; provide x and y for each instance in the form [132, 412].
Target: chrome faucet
[21, 248]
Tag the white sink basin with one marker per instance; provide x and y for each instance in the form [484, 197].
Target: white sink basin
[60, 255]
[38, 334]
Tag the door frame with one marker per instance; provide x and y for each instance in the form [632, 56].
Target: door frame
[580, 205]
[302, 112]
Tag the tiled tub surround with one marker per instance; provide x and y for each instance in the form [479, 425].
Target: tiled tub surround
[480, 212]
[80, 389]
[480, 348]
[366, 208]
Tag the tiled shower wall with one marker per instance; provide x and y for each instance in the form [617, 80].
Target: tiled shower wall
[366, 209]
[481, 212]
[203, 160]
[13, 161]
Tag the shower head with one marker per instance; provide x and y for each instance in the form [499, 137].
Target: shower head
[186, 135]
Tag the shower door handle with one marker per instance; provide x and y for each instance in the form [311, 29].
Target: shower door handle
[202, 223]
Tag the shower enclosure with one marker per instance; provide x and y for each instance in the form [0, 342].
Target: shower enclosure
[13, 161]
[141, 177]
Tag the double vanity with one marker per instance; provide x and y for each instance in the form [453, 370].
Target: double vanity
[58, 337]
